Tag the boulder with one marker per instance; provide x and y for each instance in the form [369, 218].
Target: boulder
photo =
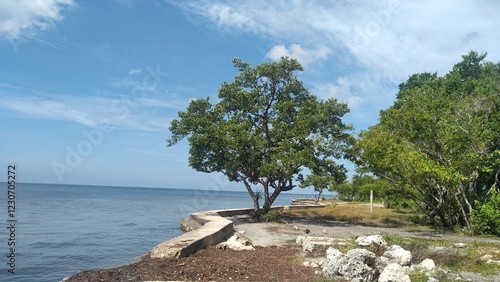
[363, 265]
[398, 255]
[237, 241]
[311, 243]
[426, 265]
[363, 256]
[371, 241]
[355, 271]
[333, 254]
[459, 245]
[381, 263]
[349, 267]
[394, 273]
[189, 224]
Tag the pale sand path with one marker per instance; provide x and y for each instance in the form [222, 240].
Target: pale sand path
[277, 234]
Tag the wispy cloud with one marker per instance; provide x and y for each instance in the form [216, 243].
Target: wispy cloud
[340, 90]
[378, 44]
[92, 111]
[304, 56]
[25, 18]
[48, 109]
[134, 71]
[394, 37]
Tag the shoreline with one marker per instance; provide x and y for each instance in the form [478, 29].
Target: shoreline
[214, 227]
[262, 235]
[192, 241]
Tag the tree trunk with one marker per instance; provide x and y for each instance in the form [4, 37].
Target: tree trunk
[442, 218]
[465, 214]
[318, 196]
[270, 200]
[267, 200]
[255, 196]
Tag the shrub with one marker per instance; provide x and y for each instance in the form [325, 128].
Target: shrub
[271, 216]
[486, 218]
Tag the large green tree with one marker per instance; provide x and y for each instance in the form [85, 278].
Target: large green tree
[264, 131]
[439, 143]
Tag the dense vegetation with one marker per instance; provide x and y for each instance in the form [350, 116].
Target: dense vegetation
[436, 149]
[438, 145]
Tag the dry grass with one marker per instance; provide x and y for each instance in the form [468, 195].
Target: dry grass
[360, 214]
[471, 258]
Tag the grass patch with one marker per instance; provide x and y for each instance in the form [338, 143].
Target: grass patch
[321, 278]
[271, 216]
[358, 213]
[296, 260]
[471, 258]
[418, 277]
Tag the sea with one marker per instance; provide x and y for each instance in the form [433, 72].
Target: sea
[60, 230]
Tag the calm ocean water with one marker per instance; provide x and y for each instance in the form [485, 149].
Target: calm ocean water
[64, 229]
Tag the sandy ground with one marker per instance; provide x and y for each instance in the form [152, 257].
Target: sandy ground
[277, 234]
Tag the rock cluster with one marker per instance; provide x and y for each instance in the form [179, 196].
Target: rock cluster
[237, 241]
[189, 224]
[361, 265]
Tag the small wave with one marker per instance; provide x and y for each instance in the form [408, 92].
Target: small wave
[128, 224]
[50, 245]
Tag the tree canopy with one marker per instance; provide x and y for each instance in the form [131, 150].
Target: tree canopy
[439, 143]
[265, 130]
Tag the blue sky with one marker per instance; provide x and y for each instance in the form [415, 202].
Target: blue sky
[88, 88]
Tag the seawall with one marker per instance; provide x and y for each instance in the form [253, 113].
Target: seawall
[214, 228]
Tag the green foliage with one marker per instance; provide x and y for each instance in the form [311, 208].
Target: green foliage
[265, 129]
[322, 181]
[362, 184]
[486, 217]
[345, 191]
[271, 216]
[438, 145]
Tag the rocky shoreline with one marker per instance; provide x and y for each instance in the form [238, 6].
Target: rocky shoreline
[242, 256]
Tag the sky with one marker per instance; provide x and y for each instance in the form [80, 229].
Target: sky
[88, 88]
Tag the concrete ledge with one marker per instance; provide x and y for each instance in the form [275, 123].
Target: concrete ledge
[233, 212]
[214, 229]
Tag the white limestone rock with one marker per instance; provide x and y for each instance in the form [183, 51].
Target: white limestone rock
[300, 240]
[426, 265]
[362, 255]
[398, 255]
[311, 243]
[373, 240]
[459, 245]
[349, 266]
[394, 273]
[237, 241]
[333, 254]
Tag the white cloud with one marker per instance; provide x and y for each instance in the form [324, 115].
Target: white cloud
[48, 109]
[368, 47]
[134, 71]
[340, 90]
[392, 37]
[304, 56]
[224, 15]
[92, 111]
[26, 18]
